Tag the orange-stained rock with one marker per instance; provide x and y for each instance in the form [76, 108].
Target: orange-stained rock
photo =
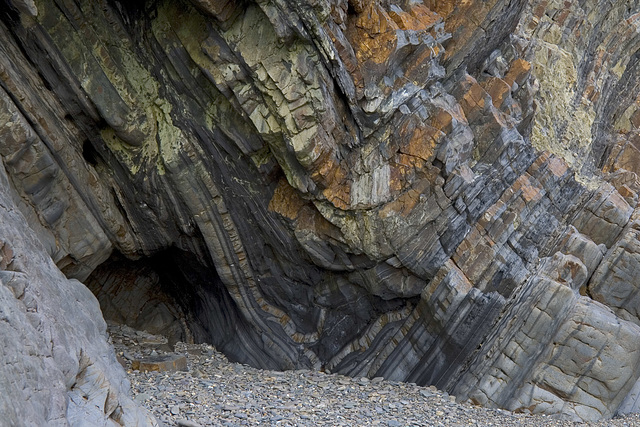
[498, 89]
[407, 161]
[404, 204]
[558, 166]
[311, 220]
[403, 170]
[530, 191]
[473, 101]
[414, 210]
[422, 142]
[375, 43]
[162, 363]
[328, 171]
[461, 18]
[518, 72]
[373, 39]
[442, 120]
[626, 192]
[474, 255]
[336, 179]
[539, 162]
[286, 200]
[625, 154]
[418, 18]
[443, 8]
[339, 195]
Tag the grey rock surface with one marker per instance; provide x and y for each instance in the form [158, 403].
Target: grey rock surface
[375, 188]
[57, 365]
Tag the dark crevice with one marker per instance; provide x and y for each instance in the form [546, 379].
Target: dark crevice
[89, 153]
[45, 82]
[8, 13]
[172, 293]
[132, 293]
[133, 11]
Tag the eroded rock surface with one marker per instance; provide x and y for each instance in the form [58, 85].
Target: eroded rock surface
[57, 367]
[435, 192]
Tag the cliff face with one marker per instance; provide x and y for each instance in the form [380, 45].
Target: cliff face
[436, 192]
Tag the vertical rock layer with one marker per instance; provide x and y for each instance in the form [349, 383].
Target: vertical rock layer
[436, 192]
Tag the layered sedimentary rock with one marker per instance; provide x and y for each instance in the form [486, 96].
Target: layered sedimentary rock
[436, 192]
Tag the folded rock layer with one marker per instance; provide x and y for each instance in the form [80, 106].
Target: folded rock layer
[442, 193]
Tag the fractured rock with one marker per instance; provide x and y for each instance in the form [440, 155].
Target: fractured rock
[436, 192]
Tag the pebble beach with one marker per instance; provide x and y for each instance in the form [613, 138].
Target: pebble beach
[211, 391]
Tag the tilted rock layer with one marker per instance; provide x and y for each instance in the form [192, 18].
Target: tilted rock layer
[436, 192]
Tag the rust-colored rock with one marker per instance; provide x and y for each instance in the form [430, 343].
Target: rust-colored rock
[518, 72]
[160, 363]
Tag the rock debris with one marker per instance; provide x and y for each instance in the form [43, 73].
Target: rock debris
[215, 392]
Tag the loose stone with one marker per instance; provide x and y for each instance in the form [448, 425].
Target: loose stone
[214, 392]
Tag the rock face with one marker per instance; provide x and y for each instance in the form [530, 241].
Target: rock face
[57, 368]
[436, 192]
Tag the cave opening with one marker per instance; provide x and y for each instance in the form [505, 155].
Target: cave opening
[89, 153]
[172, 294]
[9, 13]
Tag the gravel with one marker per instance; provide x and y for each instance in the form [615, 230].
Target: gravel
[215, 392]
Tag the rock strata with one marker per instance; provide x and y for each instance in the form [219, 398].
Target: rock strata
[439, 193]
